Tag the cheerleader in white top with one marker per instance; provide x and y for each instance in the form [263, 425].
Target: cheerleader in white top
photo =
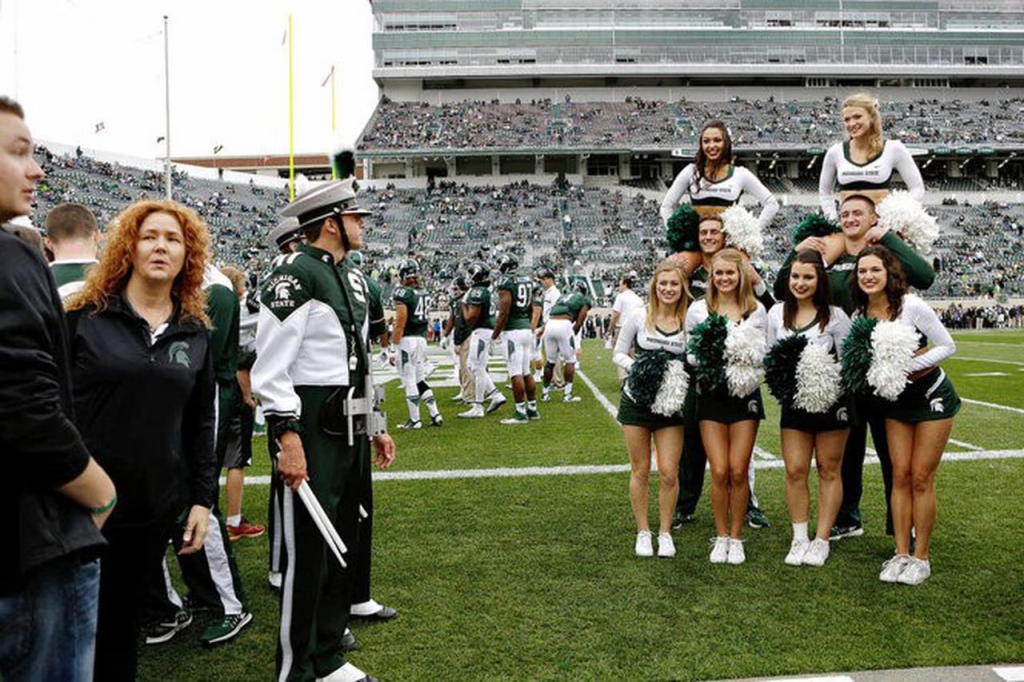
[894, 350]
[805, 338]
[712, 183]
[726, 346]
[863, 164]
[651, 347]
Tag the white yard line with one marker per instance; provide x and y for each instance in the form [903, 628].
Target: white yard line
[968, 446]
[993, 405]
[585, 469]
[607, 404]
[996, 362]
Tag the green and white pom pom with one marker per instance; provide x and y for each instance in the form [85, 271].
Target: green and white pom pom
[857, 356]
[901, 213]
[814, 225]
[645, 376]
[780, 367]
[707, 344]
[744, 358]
[672, 391]
[817, 380]
[742, 231]
[893, 344]
[683, 228]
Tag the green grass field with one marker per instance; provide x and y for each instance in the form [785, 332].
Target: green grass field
[534, 577]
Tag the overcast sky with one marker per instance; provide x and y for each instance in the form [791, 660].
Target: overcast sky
[77, 64]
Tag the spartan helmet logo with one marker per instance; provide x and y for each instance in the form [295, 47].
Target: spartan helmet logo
[281, 291]
[752, 406]
[937, 405]
[841, 415]
[178, 354]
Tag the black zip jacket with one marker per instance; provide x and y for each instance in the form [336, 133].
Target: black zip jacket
[146, 409]
[40, 448]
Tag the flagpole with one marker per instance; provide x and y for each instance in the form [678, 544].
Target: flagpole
[167, 115]
[291, 115]
[334, 127]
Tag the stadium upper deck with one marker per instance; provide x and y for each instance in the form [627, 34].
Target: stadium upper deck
[442, 43]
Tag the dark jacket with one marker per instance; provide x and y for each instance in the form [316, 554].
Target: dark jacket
[40, 447]
[146, 409]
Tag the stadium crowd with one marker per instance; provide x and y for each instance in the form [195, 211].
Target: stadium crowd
[637, 123]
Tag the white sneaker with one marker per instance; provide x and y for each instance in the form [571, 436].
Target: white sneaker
[666, 547]
[797, 550]
[410, 424]
[346, 673]
[475, 412]
[916, 572]
[736, 553]
[643, 543]
[497, 401]
[720, 552]
[458, 397]
[571, 398]
[892, 568]
[817, 553]
[274, 578]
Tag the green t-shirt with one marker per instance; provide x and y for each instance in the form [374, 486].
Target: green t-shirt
[70, 275]
[920, 274]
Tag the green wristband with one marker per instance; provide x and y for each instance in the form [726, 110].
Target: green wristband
[97, 511]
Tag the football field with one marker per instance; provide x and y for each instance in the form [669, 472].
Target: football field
[509, 553]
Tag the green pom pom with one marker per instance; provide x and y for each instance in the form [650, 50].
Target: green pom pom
[780, 367]
[857, 356]
[683, 229]
[645, 376]
[814, 225]
[707, 344]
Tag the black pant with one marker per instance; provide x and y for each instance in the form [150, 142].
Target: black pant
[852, 471]
[691, 471]
[134, 556]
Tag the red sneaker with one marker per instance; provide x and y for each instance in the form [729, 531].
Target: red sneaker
[245, 530]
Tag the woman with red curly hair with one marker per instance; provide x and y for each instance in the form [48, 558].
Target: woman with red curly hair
[144, 395]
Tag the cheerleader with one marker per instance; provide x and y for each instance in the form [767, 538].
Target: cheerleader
[919, 419]
[712, 183]
[805, 337]
[711, 236]
[863, 164]
[652, 399]
[726, 345]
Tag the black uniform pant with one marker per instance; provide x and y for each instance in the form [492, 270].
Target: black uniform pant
[316, 592]
[691, 471]
[133, 560]
[852, 472]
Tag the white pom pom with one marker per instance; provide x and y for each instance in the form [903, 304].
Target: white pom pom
[742, 230]
[893, 345]
[745, 348]
[905, 215]
[672, 392]
[817, 380]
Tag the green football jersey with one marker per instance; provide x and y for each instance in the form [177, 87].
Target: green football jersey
[521, 290]
[481, 296]
[570, 304]
[417, 309]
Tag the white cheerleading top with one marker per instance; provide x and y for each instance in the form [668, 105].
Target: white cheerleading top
[725, 192]
[876, 174]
